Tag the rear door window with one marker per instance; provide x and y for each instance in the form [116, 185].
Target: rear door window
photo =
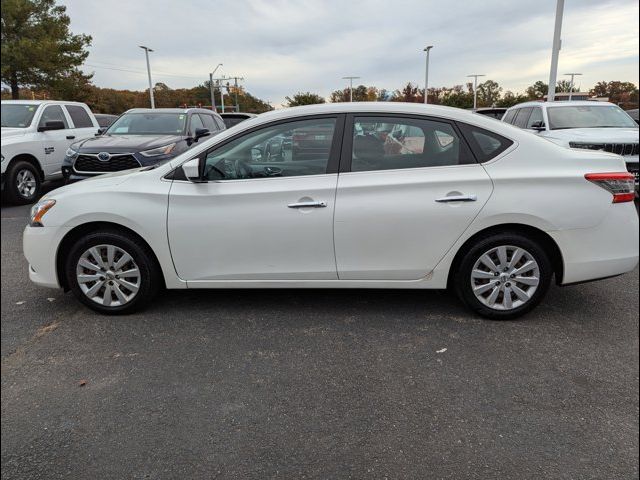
[509, 116]
[388, 143]
[79, 116]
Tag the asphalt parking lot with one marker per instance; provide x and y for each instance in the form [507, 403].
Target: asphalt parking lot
[316, 384]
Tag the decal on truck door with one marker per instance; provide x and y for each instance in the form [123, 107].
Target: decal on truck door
[48, 150]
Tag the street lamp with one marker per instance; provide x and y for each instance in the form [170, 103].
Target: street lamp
[146, 54]
[351, 79]
[426, 74]
[213, 98]
[475, 88]
[571, 84]
[555, 51]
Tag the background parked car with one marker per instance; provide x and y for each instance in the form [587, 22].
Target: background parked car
[35, 136]
[493, 112]
[585, 125]
[138, 138]
[104, 119]
[233, 118]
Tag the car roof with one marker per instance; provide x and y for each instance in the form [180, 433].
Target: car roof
[40, 102]
[562, 103]
[170, 110]
[238, 114]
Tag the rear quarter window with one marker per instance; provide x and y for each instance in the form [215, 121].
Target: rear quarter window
[509, 116]
[484, 144]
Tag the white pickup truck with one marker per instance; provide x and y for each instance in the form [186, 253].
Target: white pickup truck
[35, 137]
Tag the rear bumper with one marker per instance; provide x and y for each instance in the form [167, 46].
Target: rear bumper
[606, 250]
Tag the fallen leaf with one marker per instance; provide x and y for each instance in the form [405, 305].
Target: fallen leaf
[82, 383]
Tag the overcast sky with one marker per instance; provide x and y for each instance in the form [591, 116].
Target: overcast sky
[284, 46]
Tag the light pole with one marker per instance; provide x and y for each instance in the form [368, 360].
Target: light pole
[351, 79]
[213, 98]
[146, 54]
[426, 75]
[555, 51]
[475, 88]
[571, 84]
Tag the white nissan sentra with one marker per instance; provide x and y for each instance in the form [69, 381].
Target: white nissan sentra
[359, 195]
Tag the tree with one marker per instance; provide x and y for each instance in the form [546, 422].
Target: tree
[625, 93]
[304, 98]
[360, 94]
[537, 90]
[564, 86]
[509, 99]
[37, 46]
[488, 93]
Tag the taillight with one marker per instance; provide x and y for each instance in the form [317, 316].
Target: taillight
[620, 185]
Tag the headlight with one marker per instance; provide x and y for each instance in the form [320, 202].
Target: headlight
[39, 210]
[154, 152]
[70, 152]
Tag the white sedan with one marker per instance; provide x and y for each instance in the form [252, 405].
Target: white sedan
[465, 202]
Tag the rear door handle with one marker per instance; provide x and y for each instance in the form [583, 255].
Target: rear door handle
[457, 198]
[70, 137]
[307, 205]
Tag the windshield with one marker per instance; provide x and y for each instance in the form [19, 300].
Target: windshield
[17, 115]
[587, 116]
[149, 123]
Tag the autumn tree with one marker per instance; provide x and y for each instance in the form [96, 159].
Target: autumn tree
[37, 48]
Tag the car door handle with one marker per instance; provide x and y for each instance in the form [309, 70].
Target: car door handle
[457, 198]
[70, 137]
[307, 205]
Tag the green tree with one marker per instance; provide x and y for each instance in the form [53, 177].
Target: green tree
[509, 99]
[37, 46]
[537, 90]
[304, 98]
[564, 86]
[488, 93]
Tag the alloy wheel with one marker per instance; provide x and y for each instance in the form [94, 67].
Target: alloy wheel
[505, 277]
[26, 183]
[108, 275]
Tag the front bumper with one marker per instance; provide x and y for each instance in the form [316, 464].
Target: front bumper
[40, 247]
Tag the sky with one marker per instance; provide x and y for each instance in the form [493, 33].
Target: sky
[281, 47]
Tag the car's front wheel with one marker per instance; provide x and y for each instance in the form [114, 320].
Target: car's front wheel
[503, 276]
[23, 183]
[112, 273]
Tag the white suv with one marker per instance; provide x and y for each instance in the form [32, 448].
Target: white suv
[586, 125]
[35, 137]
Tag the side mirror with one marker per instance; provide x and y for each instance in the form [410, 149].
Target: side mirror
[539, 126]
[52, 125]
[100, 131]
[191, 170]
[201, 132]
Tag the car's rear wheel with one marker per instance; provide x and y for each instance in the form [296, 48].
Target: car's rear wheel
[112, 273]
[22, 183]
[503, 276]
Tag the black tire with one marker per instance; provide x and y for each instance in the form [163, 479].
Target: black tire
[12, 193]
[150, 272]
[462, 275]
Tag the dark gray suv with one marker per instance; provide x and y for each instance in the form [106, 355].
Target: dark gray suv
[140, 137]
